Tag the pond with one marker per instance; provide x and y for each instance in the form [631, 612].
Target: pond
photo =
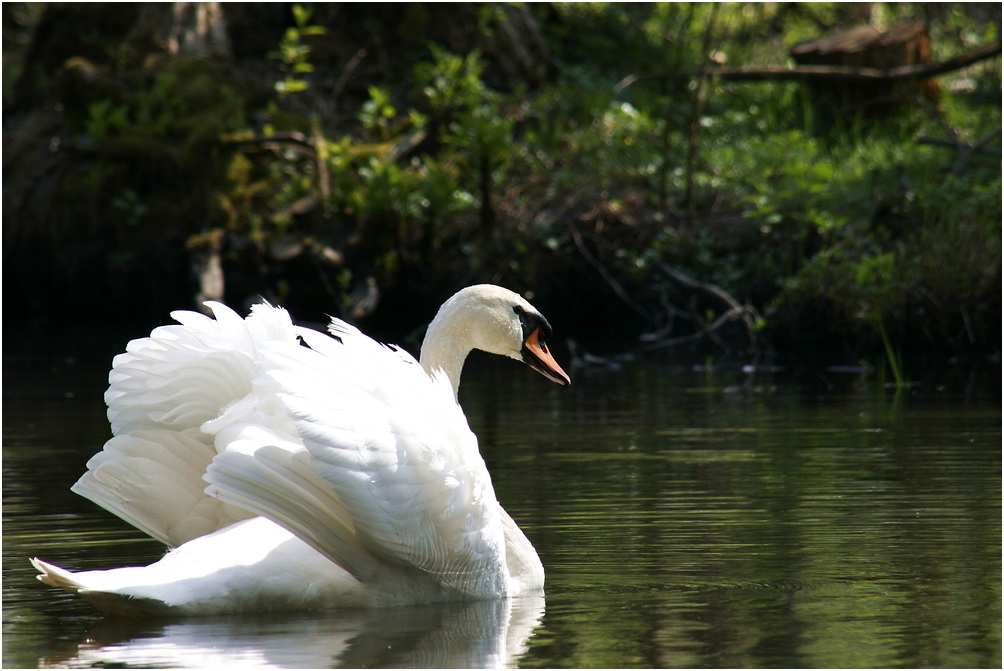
[685, 517]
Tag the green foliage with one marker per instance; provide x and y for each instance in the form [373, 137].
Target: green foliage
[129, 203]
[162, 125]
[294, 54]
[474, 126]
[186, 101]
[858, 221]
[629, 159]
[377, 113]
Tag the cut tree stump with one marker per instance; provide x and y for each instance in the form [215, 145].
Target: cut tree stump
[904, 45]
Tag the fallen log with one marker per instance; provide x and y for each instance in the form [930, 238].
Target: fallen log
[824, 73]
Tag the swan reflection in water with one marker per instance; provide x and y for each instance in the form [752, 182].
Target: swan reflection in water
[477, 634]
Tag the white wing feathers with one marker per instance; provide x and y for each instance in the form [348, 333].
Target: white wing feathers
[161, 390]
[153, 480]
[347, 443]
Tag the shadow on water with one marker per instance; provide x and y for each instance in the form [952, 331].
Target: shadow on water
[685, 518]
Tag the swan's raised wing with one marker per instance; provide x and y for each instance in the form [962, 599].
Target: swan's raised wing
[346, 442]
[394, 473]
[161, 392]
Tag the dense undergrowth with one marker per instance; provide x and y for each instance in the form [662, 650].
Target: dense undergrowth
[635, 194]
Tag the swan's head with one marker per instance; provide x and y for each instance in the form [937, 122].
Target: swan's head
[535, 331]
[494, 320]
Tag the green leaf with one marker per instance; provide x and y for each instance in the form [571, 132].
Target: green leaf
[301, 15]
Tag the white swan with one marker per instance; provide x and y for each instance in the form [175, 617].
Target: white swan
[340, 471]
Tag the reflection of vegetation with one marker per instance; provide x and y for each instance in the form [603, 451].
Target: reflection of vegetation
[697, 520]
[443, 167]
[730, 525]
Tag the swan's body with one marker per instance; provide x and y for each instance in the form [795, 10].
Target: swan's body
[341, 472]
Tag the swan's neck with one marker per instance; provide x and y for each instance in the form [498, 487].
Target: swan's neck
[446, 346]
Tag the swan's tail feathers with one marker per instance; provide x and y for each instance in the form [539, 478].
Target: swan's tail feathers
[55, 576]
[109, 602]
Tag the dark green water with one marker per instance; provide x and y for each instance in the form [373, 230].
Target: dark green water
[684, 519]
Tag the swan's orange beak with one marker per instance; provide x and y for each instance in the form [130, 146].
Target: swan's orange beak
[537, 356]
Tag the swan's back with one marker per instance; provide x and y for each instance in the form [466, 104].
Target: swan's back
[393, 448]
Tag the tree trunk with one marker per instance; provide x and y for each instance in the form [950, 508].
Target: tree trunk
[192, 28]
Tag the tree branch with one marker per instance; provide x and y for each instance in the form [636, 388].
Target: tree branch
[846, 73]
[747, 313]
[604, 273]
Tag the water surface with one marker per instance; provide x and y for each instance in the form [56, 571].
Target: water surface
[685, 519]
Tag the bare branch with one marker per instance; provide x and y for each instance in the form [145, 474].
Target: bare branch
[604, 273]
[747, 313]
[847, 73]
